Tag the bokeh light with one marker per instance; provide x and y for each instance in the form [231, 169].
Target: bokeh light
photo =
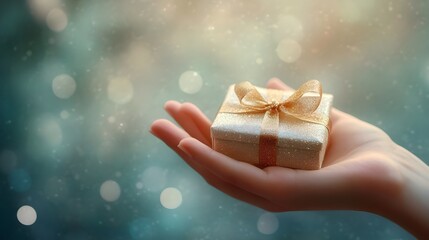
[110, 191]
[81, 82]
[268, 223]
[190, 82]
[288, 50]
[49, 130]
[26, 215]
[63, 86]
[41, 8]
[57, 20]
[120, 90]
[64, 114]
[171, 198]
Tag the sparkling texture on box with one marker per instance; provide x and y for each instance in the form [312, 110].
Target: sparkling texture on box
[300, 144]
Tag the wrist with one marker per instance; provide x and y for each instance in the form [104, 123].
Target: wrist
[409, 205]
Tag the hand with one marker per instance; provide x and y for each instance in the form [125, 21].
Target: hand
[363, 168]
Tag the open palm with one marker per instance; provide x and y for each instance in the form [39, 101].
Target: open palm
[357, 172]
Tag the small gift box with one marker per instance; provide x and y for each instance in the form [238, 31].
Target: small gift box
[267, 127]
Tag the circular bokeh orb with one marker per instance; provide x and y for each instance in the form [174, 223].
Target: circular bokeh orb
[26, 215]
[57, 20]
[288, 50]
[49, 130]
[63, 86]
[171, 198]
[64, 114]
[110, 191]
[190, 82]
[120, 90]
[268, 223]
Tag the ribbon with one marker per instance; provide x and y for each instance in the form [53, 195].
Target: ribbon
[300, 105]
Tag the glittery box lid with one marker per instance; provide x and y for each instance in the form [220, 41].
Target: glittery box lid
[292, 133]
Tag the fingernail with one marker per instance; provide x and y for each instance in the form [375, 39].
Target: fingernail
[181, 147]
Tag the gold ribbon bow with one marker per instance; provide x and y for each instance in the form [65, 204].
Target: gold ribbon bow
[300, 105]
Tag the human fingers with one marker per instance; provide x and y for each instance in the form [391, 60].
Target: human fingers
[240, 174]
[199, 118]
[328, 188]
[162, 129]
[171, 135]
[275, 83]
[187, 123]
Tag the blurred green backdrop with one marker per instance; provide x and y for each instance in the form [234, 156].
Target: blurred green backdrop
[81, 81]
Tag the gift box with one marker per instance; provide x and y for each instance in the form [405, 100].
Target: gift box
[267, 127]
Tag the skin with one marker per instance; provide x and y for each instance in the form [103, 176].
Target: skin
[363, 170]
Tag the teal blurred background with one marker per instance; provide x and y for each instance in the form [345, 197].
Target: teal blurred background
[81, 82]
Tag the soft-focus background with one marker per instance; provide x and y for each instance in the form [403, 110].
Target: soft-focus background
[81, 81]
